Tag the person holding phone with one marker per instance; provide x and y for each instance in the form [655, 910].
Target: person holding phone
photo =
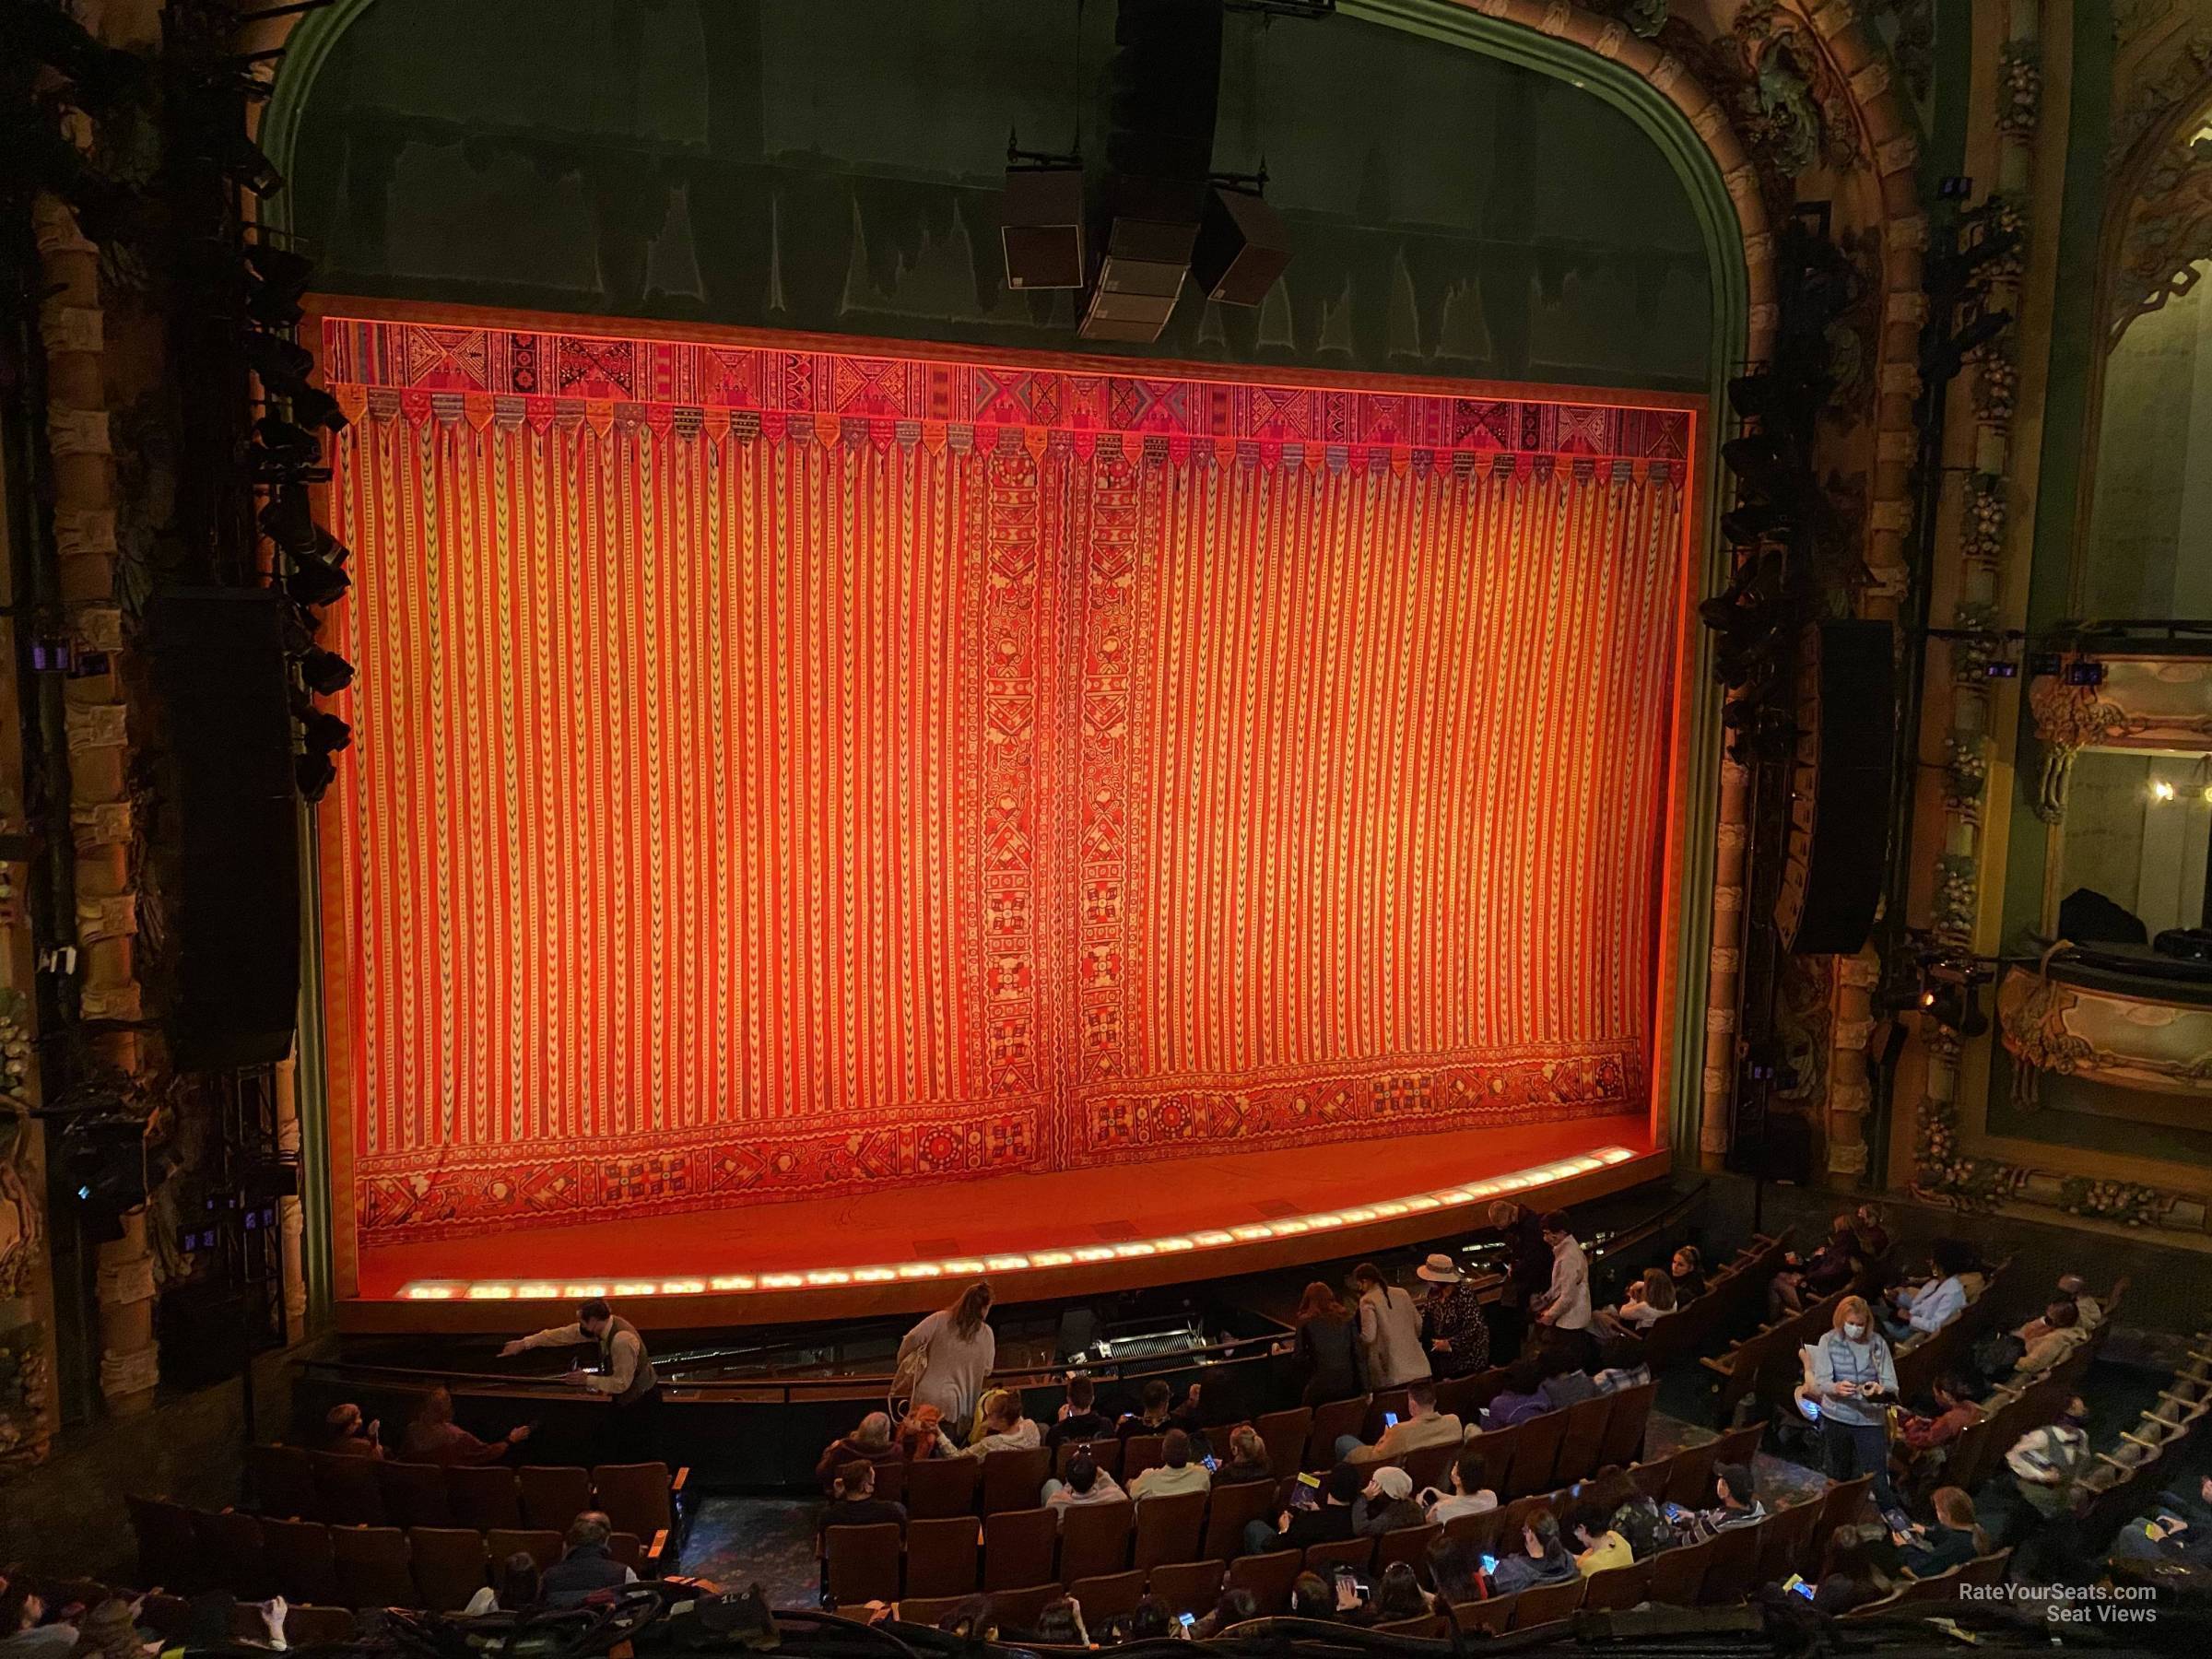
[347, 1435]
[1854, 1381]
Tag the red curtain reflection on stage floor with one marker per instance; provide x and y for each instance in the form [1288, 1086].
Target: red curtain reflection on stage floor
[780, 771]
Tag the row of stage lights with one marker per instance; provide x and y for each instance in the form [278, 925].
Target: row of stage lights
[286, 460]
[1250, 1232]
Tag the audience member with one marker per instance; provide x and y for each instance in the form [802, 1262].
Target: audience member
[2048, 1341]
[1390, 1330]
[2177, 1529]
[853, 1503]
[1311, 1597]
[24, 1634]
[1248, 1458]
[111, 1631]
[1786, 1291]
[1630, 1512]
[1328, 1347]
[434, 1436]
[1235, 1607]
[1923, 1438]
[1871, 1237]
[870, 1443]
[1386, 1504]
[1177, 1470]
[1955, 1539]
[1079, 1417]
[1451, 1320]
[1838, 1260]
[1397, 1596]
[1150, 1621]
[975, 1619]
[1060, 1623]
[585, 1565]
[1157, 1412]
[1863, 1568]
[1086, 1484]
[1328, 1521]
[345, 1434]
[1622, 1365]
[2046, 1464]
[1596, 1546]
[1003, 1429]
[1456, 1568]
[1646, 1301]
[1687, 1270]
[519, 1588]
[1423, 1424]
[1541, 1559]
[946, 1359]
[1735, 1503]
[2089, 1307]
[1470, 1493]
[1926, 1308]
[1520, 1398]
[1564, 1308]
[1854, 1382]
[1527, 1274]
[1565, 1382]
[921, 1434]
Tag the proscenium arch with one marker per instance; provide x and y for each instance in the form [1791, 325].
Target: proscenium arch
[1721, 217]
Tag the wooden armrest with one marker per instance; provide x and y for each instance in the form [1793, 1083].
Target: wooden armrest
[676, 1481]
[658, 1548]
[2124, 1469]
[2134, 1438]
[1712, 1364]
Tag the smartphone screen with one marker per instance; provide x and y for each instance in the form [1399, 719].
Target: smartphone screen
[1489, 1563]
[1390, 1419]
[1187, 1619]
[1307, 1478]
[1211, 1464]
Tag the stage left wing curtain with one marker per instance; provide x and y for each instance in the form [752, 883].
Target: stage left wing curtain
[836, 785]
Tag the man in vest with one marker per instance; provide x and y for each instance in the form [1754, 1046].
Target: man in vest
[625, 1372]
[584, 1566]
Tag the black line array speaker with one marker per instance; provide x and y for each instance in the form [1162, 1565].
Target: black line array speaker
[234, 922]
[1840, 788]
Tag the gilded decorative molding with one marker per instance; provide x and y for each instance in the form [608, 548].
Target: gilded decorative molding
[2166, 236]
[2128, 1040]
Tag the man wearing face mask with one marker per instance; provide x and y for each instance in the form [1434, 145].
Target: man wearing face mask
[1855, 1380]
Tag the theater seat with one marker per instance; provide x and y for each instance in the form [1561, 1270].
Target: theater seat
[348, 1492]
[939, 1486]
[485, 1499]
[1013, 1479]
[1168, 1528]
[1094, 1538]
[635, 1497]
[1269, 1577]
[554, 1495]
[1189, 1586]
[414, 1494]
[864, 1562]
[1107, 1597]
[1544, 1604]
[449, 1566]
[374, 1569]
[1018, 1546]
[300, 1555]
[283, 1481]
[940, 1556]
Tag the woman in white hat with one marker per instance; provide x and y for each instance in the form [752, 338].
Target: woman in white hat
[1452, 1325]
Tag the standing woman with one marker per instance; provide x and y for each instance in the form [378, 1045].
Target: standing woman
[1390, 1330]
[946, 1361]
[1855, 1382]
[1328, 1347]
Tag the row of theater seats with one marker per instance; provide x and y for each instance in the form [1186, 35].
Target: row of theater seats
[1716, 1572]
[1767, 1362]
[1013, 1548]
[1734, 1294]
[2126, 1479]
[1533, 1456]
[287, 1482]
[188, 1550]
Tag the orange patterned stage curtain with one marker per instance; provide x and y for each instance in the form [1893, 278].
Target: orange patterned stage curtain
[781, 771]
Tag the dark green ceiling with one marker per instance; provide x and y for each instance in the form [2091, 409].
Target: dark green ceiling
[833, 165]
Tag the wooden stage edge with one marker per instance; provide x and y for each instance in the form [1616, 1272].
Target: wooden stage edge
[458, 1312]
